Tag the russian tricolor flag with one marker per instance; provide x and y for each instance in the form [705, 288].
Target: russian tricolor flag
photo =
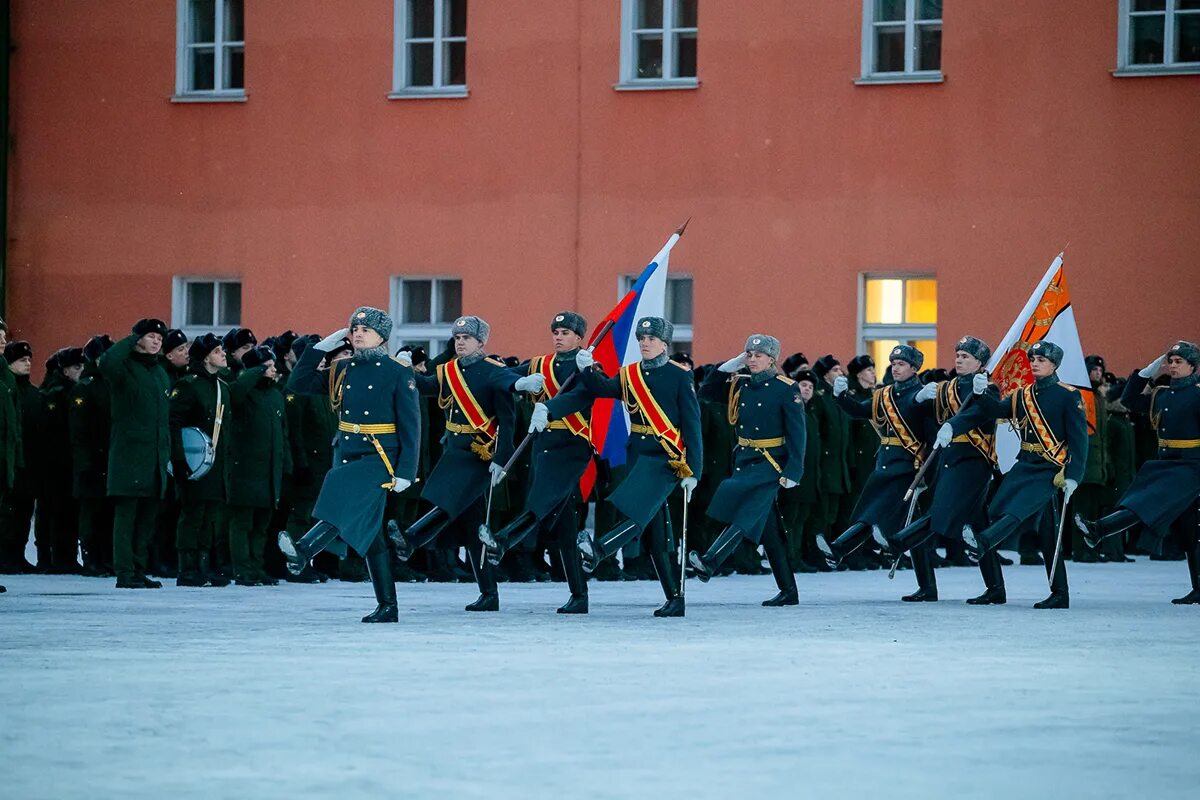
[647, 298]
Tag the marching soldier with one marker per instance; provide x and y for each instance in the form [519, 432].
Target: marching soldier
[664, 451]
[90, 420]
[475, 392]
[139, 447]
[1165, 488]
[905, 426]
[561, 454]
[768, 412]
[58, 512]
[21, 498]
[1054, 440]
[964, 472]
[200, 400]
[379, 427]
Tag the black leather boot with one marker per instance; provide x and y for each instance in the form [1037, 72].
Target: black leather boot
[664, 568]
[1095, 532]
[568, 553]
[189, 569]
[785, 579]
[1193, 597]
[298, 554]
[843, 546]
[993, 579]
[922, 559]
[595, 551]
[379, 567]
[912, 536]
[716, 554]
[508, 537]
[981, 542]
[489, 596]
[419, 534]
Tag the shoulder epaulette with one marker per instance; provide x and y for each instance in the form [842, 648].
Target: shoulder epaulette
[187, 378]
[495, 362]
[683, 367]
[1068, 387]
[785, 379]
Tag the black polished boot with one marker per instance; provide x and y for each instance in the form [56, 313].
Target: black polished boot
[1055, 600]
[211, 576]
[991, 536]
[508, 537]
[595, 551]
[576, 580]
[993, 579]
[843, 546]
[379, 567]
[1193, 597]
[785, 579]
[716, 554]
[922, 559]
[489, 596]
[664, 568]
[1094, 533]
[298, 554]
[419, 534]
[189, 569]
[912, 537]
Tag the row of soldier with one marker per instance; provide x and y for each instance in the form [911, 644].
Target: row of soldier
[279, 443]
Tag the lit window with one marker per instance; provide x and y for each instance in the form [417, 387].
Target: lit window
[423, 309]
[430, 57]
[678, 311]
[210, 53]
[901, 41]
[898, 310]
[658, 44]
[1158, 37]
[206, 305]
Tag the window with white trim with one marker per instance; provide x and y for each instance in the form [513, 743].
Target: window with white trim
[210, 50]
[423, 309]
[901, 41]
[898, 309]
[678, 308]
[1158, 36]
[430, 51]
[658, 44]
[206, 305]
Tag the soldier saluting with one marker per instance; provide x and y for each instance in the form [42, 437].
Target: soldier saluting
[379, 427]
[1168, 485]
[665, 450]
[475, 392]
[1052, 424]
[767, 411]
[561, 454]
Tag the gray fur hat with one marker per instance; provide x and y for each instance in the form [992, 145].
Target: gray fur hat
[373, 318]
[1048, 350]
[569, 320]
[472, 326]
[976, 348]
[761, 343]
[1188, 351]
[657, 327]
[906, 352]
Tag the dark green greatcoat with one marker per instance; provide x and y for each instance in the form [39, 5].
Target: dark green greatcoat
[11, 456]
[90, 420]
[258, 450]
[139, 445]
[194, 405]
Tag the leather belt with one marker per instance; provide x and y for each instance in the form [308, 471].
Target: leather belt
[645, 430]
[1179, 444]
[761, 444]
[375, 430]
[455, 427]
[557, 425]
[1031, 447]
[964, 439]
[894, 441]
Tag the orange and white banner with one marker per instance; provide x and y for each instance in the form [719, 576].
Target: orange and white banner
[1046, 316]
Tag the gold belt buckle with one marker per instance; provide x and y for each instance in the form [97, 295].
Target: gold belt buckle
[356, 428]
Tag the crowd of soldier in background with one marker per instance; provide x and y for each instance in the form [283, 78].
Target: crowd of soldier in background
[71, 447]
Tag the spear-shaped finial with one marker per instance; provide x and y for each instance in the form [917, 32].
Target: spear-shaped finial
[683, 227]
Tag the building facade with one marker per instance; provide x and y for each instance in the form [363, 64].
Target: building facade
[857, 172]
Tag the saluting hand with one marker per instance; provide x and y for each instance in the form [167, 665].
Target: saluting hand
[979, 383]
[733, 364]
[1153, 367]
[584, 359]
[928, 392]
[331, 341]
[840, 385]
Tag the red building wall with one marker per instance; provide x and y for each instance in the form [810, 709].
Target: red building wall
[546, 184]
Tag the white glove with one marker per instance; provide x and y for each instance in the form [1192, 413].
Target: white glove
[928, 392]
[979, 383]
[944, 435]
[840, 384]
[400, 484]
[733, 364]
[540, 418]
[1153, 367]
[497, 472]
[1069, 487]
[534, 384]
[786, 483]
[405, 358]
[688, 484]
[331, 341]
[584, 360]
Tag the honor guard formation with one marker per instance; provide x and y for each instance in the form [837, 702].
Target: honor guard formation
[304, 458]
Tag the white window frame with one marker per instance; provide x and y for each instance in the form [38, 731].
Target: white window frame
[680, 333]
[628, 79]
[400, 42]
[183, 92]
[869, 332]
[1169, 66]
[911, 74]
[435, 333]
[179, 305]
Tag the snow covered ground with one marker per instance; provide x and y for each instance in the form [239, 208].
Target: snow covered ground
[281, 693]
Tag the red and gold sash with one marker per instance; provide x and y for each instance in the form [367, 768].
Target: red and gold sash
[948, 404]
[640, 400]
[1053, 450]
[885, 412]
[450, 376]
[576, 423]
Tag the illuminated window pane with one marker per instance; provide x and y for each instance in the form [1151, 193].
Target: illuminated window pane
[881, 351]
[885, 301]
[920, 301]
[929, 348]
